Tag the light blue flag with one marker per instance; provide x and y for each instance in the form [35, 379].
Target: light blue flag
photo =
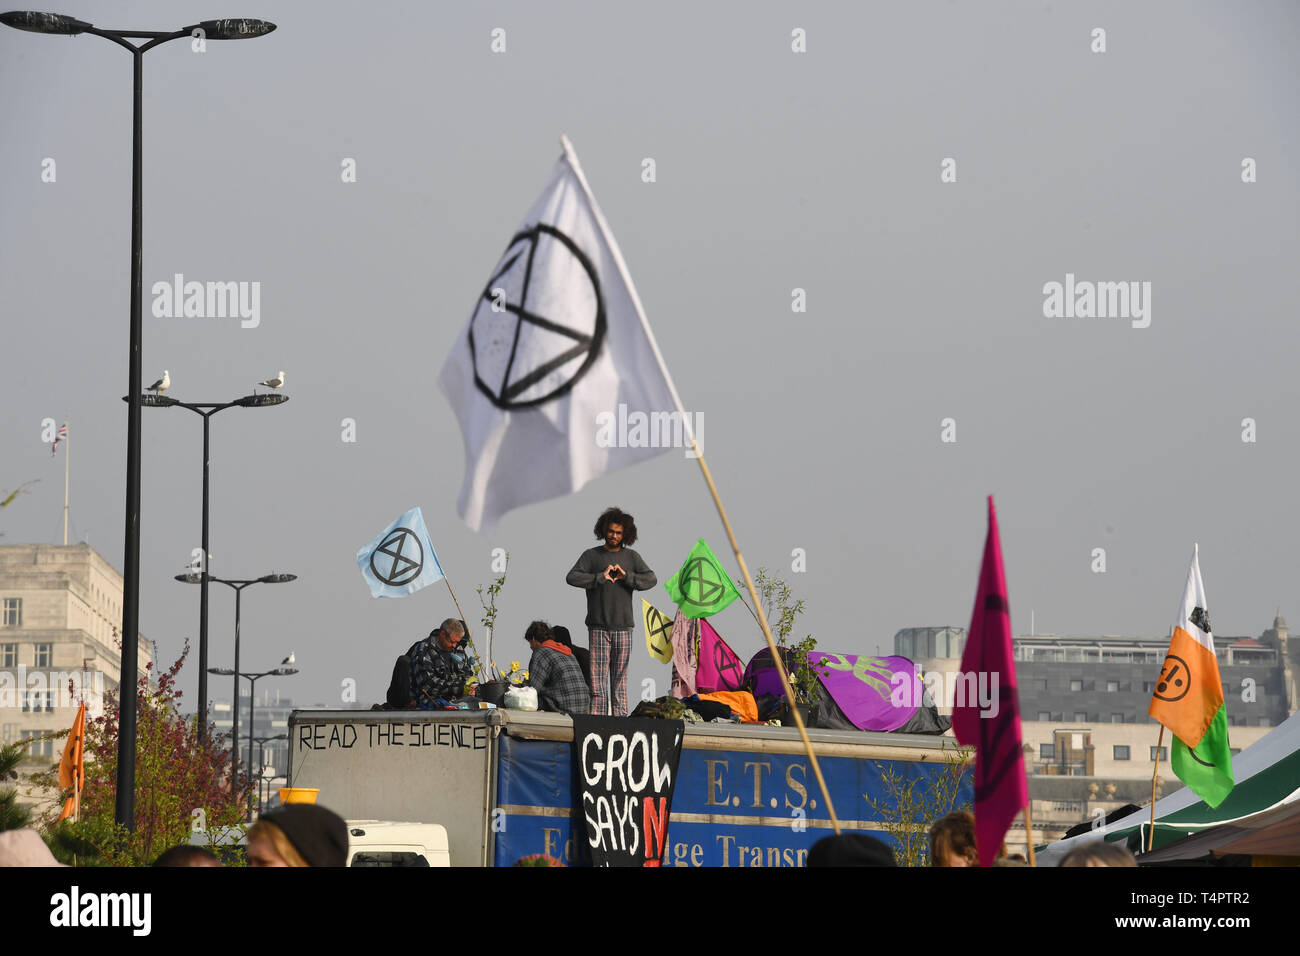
[401, 560]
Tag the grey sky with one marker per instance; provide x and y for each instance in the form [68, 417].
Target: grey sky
[775, 170]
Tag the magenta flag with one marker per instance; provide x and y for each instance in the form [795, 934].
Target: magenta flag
[986, 711]
[719, 667]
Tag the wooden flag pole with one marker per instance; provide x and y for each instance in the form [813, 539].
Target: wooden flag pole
[708, 478]
[1151, 837]
[1029, 835]
[461, 613]
[771, 643]
[454, 601]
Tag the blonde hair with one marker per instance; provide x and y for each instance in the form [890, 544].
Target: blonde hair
[269, 831]
[1099, 853]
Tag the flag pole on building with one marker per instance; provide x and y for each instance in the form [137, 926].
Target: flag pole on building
[704, 468]
[67, 464]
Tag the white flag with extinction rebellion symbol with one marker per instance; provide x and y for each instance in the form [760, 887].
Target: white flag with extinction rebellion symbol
[554, 341]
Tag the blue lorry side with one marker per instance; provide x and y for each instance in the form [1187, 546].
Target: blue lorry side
[503, 782]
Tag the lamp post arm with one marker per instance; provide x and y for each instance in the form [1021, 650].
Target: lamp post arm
[154, 37]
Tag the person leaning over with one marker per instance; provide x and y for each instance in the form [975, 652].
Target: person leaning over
[439, 665]
[555, 673]
[580, 654]
[609, 573]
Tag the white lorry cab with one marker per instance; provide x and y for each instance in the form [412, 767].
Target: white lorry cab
[384, 843]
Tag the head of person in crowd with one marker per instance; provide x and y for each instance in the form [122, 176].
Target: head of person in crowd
[449, 634]
[617, 528]
[851, 849]
[186, 855]
[952, 840]
[298, 834]
[1099, 853]
[561, 635]
[538, 633]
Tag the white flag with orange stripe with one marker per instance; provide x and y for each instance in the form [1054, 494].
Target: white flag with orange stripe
[1188, 698]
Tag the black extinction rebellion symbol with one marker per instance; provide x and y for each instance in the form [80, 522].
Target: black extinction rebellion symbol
[403, 547]
[1173, 684]
[727, 666]
[700, 584]
[542, 310]
[659, 626]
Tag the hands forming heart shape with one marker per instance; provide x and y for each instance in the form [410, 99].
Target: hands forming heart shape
[614, 574]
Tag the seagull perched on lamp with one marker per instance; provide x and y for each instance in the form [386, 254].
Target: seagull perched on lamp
[162, 384]
[288, 660]
[274, 383]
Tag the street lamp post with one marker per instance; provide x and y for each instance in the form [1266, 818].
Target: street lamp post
[207, 410]
[237, 586]
[261, 767]
[252, 679]
[230, 29]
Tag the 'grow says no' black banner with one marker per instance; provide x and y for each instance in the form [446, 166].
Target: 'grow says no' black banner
[627, 768]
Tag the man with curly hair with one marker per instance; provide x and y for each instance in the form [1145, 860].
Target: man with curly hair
[609, 573]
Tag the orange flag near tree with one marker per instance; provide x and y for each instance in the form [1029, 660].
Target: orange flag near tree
[72, 768]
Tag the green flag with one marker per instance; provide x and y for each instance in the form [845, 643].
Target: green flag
[701, 588]
[1207, 767]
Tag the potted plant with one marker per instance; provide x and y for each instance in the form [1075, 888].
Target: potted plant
[493, 689]
[782, 614]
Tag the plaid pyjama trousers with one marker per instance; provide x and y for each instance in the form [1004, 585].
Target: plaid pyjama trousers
[610, 651]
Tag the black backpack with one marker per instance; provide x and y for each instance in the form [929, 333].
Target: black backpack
[399, 688]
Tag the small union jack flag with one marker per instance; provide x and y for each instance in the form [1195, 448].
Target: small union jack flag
[61, 436]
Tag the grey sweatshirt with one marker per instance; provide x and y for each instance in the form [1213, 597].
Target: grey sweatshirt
[609, 605]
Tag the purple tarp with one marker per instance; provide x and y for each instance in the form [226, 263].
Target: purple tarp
[864, 687]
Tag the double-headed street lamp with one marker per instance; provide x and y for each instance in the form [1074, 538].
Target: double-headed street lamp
[207, 410]
[261, 768]
[238, 587]
[229, 29]
[252, 679]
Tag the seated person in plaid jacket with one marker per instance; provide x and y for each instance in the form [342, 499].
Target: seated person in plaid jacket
[555, 673]
[440, 667]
